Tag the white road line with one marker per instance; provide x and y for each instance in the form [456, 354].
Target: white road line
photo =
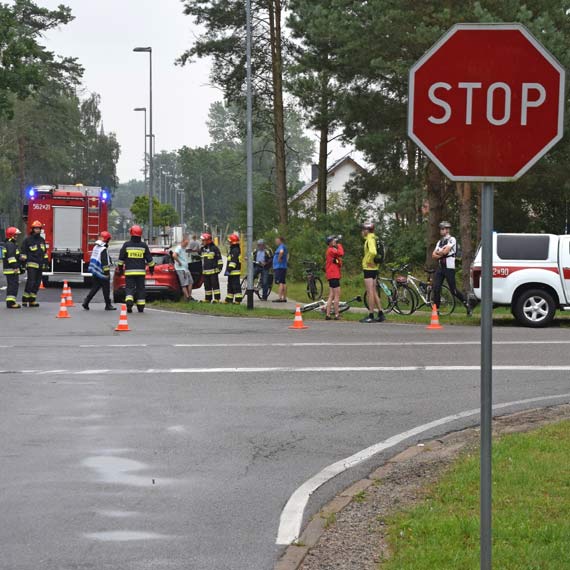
[291, 520]
[290, 369]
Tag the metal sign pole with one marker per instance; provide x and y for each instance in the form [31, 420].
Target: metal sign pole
[249, 120]
[486, 372]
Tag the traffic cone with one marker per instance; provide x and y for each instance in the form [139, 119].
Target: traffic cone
[123, 322]
[434, 324]
[42, 286]
[298, 322]
[63, 314]
[69, 301]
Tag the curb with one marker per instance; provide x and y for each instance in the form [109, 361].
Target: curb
[296, 553]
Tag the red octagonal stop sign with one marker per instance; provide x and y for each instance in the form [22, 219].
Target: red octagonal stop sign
[486, 102]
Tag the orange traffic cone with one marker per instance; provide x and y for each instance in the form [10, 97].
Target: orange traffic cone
[434, 324]
[42, 286]
[123, 322]
[63, 314]
[69, 301]
[298, 322]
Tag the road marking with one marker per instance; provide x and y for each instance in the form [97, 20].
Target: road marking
[266, 369]
[291, 520]
[402, 344]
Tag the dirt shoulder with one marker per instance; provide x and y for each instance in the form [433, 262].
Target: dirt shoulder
[350, 532]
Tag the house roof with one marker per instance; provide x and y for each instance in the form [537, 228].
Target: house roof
[310, 186]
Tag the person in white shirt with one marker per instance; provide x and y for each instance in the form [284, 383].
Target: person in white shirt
[444, 253]
[181, 265]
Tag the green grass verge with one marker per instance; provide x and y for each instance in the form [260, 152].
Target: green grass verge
[531, 502]
[263, 310]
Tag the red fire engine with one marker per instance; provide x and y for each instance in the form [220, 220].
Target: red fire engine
[73, 217]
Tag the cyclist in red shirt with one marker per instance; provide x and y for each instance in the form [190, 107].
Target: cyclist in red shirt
[335, 252]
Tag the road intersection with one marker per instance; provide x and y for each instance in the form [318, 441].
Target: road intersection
[178, 445]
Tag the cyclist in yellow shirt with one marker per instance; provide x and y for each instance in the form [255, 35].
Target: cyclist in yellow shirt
[371, 267]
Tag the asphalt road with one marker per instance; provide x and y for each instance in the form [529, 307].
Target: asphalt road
[145, 450]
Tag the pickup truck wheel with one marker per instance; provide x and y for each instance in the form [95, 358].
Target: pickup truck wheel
[534, 308]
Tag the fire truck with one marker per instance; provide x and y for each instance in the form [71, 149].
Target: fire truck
[73, 217]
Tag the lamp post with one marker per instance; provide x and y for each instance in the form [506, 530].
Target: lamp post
[151, 153]
[143, 109]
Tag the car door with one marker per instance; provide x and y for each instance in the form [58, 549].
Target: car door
[564, 257]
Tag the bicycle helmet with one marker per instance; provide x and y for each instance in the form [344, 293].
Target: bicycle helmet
[330, 239]
[444, 225]
[367, 226]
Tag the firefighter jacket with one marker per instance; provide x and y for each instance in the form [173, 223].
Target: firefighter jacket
[11, 257]
[134, 257]
[99, 264]
[212, 262]
[34, 252]
[234, 264]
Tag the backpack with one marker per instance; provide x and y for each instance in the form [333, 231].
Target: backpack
[380, 251]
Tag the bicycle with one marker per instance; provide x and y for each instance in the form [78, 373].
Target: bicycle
[321, 305]
[314, 283]
[394, 293]
[423, 292]
[257, 284]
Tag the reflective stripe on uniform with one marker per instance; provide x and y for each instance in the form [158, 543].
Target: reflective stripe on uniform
[10, 271]
[33, 265]
[141, 302]
[131, 272]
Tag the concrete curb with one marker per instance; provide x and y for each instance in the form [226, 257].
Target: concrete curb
[295, 554]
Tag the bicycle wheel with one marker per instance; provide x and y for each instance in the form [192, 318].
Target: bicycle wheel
[244, 286]
[311, 307]
[314, 288]
[257, 286]
[447, 304]
[405, 299]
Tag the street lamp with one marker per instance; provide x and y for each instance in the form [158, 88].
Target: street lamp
[151, 153]
[143, 109]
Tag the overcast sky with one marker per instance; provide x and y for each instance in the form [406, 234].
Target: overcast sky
[103, 36]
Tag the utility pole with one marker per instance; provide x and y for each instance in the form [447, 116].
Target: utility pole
[202, 198]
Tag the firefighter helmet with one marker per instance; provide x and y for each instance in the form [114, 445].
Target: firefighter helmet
[37, 224]
[233, 238]
[106, 236]
[136, 231]
[12, 232]
[206, 237]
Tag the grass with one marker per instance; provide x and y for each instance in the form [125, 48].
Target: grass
[531, 503]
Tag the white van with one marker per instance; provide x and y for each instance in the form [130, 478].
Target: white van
[531, 274]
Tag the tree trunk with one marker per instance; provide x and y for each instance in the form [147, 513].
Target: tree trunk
[275, 12]
[323, 173]
[464, 195]
[435, 189]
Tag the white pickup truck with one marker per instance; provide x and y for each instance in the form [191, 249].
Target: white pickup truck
[531, 274]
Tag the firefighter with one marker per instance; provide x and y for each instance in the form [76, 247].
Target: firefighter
[12, 269]
[233, 271]
[100, 269]
[212, 264]
[133, 259]
[35, 258]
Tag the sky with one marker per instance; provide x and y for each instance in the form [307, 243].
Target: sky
[103, 36]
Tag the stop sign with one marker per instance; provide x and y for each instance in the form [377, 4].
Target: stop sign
[486, 102]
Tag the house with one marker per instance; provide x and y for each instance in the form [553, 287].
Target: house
[339, 174]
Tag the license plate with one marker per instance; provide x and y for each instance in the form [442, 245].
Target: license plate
[151, 281]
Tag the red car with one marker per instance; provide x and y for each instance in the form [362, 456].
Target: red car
[164, 283]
